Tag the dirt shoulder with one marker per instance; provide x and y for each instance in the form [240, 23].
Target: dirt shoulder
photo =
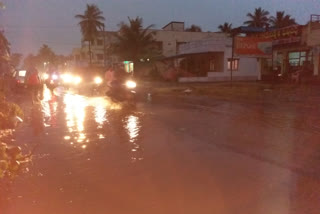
[249, 92]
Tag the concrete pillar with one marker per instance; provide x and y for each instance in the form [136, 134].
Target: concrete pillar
[259, 68]
[316, 64]
[284, 63]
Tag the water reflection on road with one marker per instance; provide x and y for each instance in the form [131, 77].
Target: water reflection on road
[83, 121]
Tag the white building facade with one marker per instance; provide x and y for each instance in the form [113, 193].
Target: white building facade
[211, 61]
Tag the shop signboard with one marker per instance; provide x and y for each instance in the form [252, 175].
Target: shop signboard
[287, 35]
[253, 47]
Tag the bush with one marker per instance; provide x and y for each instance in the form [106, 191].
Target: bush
[8, 111]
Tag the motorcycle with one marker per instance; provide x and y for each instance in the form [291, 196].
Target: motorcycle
[97, 86]
[123, 91]
[52, 80]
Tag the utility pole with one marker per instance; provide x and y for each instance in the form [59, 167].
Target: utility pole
[104, 47]
[232, 56]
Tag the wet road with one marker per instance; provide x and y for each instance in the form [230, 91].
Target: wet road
[96, 157]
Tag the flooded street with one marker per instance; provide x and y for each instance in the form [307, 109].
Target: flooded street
[95, 157]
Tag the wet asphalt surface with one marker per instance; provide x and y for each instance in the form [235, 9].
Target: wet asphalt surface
[97, 157]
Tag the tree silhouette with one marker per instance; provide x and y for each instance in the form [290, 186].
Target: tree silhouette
[282, 20]
[258, 19]
[91, 22]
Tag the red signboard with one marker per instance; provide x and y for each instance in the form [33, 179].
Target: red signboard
[253, 47]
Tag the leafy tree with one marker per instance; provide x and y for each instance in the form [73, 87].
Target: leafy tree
[45, 54]
[4, 53]
[15, 59]
[30, 61]
[258, 19]
[281, 20]
[225, 28]
[135, 42]
[90, 23]
[194, 28]
[2, 6]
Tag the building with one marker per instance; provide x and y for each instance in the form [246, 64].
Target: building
[295, 48]
[168, 39]
[210, 59]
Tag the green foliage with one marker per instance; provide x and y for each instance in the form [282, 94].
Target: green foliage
[225, 28]
[91, 22]
[15, 59]
[4, 54]
[135, 43]
[258, 19]
[8, 111]
[194, 28]
[45, 55]
[11, 161]
[281, 20]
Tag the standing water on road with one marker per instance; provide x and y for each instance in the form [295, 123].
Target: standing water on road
[80, 138]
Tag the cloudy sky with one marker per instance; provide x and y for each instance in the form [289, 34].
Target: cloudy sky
[30, 23]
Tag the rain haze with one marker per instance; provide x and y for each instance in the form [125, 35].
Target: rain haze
[179, 106]
[30, 23]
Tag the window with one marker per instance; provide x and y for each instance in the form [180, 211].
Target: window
[235, 64]
[100, 56]
[211, 65]
[99, 42]
[299, 58]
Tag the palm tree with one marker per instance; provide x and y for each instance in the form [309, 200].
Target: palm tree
[134, 43]
[258, 19]
[281, 20]
[194, 28]
[225, 28]
[91, 22]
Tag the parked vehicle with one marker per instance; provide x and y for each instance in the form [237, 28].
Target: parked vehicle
[20, 80]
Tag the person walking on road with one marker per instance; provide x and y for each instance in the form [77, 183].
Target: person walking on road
[35, 84]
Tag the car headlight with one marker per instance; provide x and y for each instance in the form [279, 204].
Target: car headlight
[54, 77]
[45, 76]
[77, 80]
[67, 78]
[97, 80]
[131, 84]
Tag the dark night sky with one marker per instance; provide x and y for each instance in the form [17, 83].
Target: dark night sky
[30, 23]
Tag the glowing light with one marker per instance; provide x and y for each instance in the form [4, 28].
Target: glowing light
[132, 127]
[84, 146]
[67, 78]
[45, 76]
[67, 137]
[100, 115]
[22, 73]
[97, 80]
[55, 77]
[75, 114]
[77, 80]
[131, 84]
[46, 94]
